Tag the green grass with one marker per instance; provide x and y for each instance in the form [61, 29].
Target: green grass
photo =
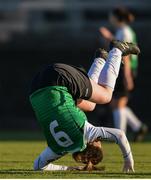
[16, 161]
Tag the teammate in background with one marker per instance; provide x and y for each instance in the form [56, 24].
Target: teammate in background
[120, 18]
[58, 95]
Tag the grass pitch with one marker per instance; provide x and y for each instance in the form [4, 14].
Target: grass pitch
[16, 161]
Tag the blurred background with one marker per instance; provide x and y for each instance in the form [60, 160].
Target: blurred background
[34, 33]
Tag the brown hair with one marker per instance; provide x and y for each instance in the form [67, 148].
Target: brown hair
[123, 14]
[91, 155]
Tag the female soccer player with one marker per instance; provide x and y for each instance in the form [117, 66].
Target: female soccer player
[120, 18]
[58, 89]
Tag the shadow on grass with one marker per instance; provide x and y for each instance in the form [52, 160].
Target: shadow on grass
[102, 173]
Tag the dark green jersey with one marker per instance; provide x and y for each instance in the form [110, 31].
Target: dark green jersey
[62, 122]
[53, 95]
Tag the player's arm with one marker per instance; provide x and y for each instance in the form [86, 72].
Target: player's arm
[85, 105]
[119, 137]
[127, 73]
[106, 33]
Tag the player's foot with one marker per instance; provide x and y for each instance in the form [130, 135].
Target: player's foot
[102, 53]
[125, 47]
[139, 136]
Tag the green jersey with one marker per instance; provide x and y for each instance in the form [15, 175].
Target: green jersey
[62, 122]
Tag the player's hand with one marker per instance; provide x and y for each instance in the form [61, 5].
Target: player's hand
[106, 33]
[128, 164]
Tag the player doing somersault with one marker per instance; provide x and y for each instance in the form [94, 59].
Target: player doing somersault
[60, 94]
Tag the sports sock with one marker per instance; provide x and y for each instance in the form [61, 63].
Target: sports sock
[96, 69]
[111, 68]
[132, 120]
[120, 119]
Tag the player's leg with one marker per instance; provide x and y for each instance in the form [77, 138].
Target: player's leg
[94, 73]
[103, 75]
[98, 64]
[42, 162]
[102, 93]
[120, 120]
[136, 125]
[133, 121]
[119, 113]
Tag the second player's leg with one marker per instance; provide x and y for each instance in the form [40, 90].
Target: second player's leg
[119, 113]
[133, 120]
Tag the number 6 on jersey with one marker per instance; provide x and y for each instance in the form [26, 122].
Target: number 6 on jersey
[60, 137]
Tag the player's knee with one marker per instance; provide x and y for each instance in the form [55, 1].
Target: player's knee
[108, 96]
[107, 99]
